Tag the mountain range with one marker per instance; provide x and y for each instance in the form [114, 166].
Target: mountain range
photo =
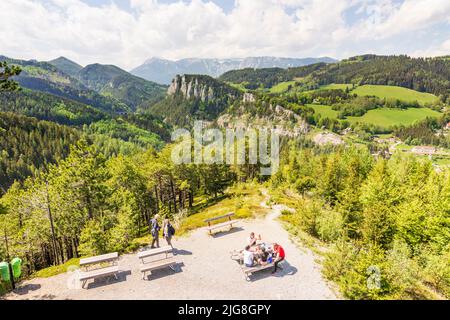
[163, 71]
[106, 87]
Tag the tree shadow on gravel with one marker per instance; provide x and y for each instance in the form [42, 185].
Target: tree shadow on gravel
[181, 252]
[227, 232]
[284, 269]
[25, 289]
[166, 272]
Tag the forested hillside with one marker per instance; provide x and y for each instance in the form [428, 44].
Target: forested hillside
[44, 77]
[28, 146]
[67, 66]
[384, 217]
[112, 81]
[45, 106]
[422, 74]
[255, 78]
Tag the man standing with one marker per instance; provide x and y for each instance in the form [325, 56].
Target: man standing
[279, 251]
[154, 229]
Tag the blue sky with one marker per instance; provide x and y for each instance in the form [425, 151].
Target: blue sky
[128, 32]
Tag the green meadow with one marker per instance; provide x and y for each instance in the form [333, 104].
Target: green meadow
[384, 117]
[239, 86]
[387, 117]
[393, 92]
[388, 92]
[281, 87]
[335, 86]
[324, 111]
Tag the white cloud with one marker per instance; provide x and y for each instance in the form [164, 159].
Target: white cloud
[442, 49]
[108, 34]
[387, 18]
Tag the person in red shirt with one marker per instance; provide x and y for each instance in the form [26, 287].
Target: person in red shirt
[279, 251]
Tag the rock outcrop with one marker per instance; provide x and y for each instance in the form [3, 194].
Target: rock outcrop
[285, 122]
[200, 87]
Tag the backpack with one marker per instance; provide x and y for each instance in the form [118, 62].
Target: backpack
[171, 230]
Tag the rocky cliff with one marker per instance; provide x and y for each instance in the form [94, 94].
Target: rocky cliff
[195, 97]
[200, 87]
[285, 122]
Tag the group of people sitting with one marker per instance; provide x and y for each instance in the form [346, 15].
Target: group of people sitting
[261, 253]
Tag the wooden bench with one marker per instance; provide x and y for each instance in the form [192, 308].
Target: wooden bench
[155, 265]
[100, 271]
[248, 271]
[154, 252]
[104, 258]
[220, 225]
[166, 261]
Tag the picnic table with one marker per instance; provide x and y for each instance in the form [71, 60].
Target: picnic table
[230, 222]
[166, 261]
[248, 271]
[105, 265]
[153, 252]
[104, 258]
[238, 255]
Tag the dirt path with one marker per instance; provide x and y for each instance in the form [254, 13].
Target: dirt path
[207, 272]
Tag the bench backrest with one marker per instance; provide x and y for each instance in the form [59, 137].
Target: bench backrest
[220, 217]
[99, 259]
[152, 252]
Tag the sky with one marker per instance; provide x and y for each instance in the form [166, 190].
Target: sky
[128, 32]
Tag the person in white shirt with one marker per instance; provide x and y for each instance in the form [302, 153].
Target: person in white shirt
[249, 257]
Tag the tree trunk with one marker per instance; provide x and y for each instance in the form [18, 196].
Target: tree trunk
[52, 228]
[191, 199]
[180, 199]
[156, 198]
[174, 198]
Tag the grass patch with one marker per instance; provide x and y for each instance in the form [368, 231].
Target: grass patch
[394, 92]
[55, 270]
[3, 289]
[335, 86]
[387, 117]
[243, 199]
[382, 117]
[403, 147]
[443, 161]
[282, 87]
[239, 86]
[324, 110]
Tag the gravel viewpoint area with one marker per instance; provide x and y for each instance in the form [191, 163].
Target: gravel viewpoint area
[206, 271]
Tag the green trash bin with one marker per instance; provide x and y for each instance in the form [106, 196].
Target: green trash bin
[4, 271]
[16, 265]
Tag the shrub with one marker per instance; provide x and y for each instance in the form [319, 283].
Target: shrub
[308, 214]
[93, 239]
[329, 225]
[437, 272]
[402, 271]
[360, 273]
